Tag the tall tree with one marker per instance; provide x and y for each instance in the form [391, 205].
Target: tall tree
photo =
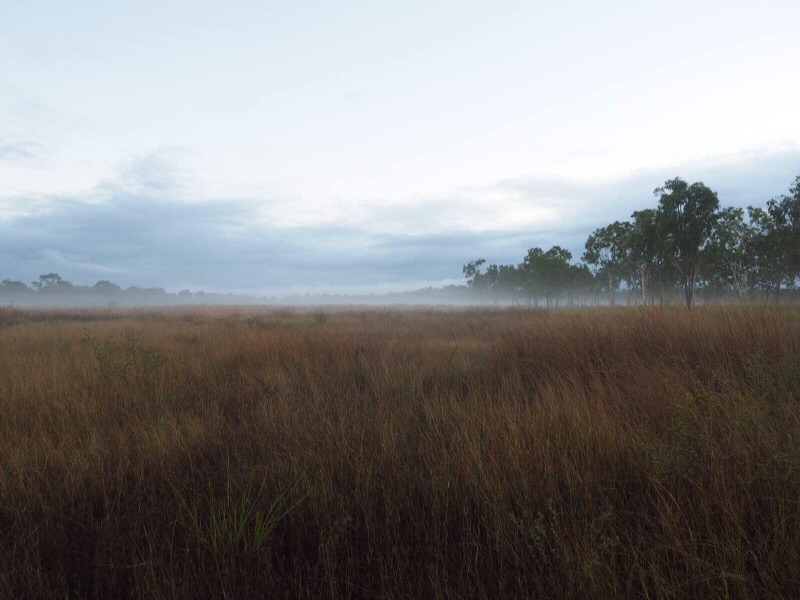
[548, 272]
[607, 251]
[687, 214]
[731, 252]
[777, 241]
[472, 272]
[530, 275]
[644, 247]
[508, 281]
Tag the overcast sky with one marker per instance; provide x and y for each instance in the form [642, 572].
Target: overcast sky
[280, 147]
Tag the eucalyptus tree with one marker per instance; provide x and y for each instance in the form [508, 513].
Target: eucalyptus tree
[14, 287]
[509, 281]
[472, 272]
[731, 252]
[581, 280]
[607, 250]
[491, 280]
[644, 248]
[531, 277]
[476, 279]
[777, 241]
[50, 281]
[552, 269]
[559, 272]
[686, 215]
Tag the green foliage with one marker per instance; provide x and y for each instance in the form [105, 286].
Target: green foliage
[758, 372]
[646, 252]
[789, 374]
[679, 457]
[776, 240]
[472, 272]
[237, 523]
[544, 533]
[608, 249]
[731, 252]
[686, 216]
[129, 360]
[547, 272]
[773, 380]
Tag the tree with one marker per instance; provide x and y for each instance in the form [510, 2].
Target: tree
[509, 281]
[475, 278]
[607, 250]
[106, 287]
[16, 287]
[777, 241]
[547, 272]
[52, 282]
[49, 281]
[491, 280]
[687, 214]
[581, 280]
[731, 251]
[529, 275]
[644, 248]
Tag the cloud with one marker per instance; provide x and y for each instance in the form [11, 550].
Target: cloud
[539, 205]
[139, 228]
[739, 179]
[224, 245]
[22, 152]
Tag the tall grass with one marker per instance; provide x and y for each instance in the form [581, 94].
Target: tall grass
[394, 453]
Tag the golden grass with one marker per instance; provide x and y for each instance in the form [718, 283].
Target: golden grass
[396, 453]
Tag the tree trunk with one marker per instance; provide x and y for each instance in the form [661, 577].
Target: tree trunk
[644, 287]
[613, 291]
[689, 286]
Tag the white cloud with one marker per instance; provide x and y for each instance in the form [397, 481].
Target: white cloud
[150, 234]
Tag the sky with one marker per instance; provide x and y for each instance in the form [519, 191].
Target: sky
[290, 147]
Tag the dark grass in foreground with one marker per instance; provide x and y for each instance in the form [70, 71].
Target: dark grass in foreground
[400, 454]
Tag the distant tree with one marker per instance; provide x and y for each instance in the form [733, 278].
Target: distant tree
[645, 251]
[106, 287]
[687, 215]
[547, 272]
[48, 281]
[777, 241]
[491, 280]
[530, 275]
[476, 279]
[608, 251]
[731, 252]
[15, 286]
[509, 283]
[581, 281]
[472, 272]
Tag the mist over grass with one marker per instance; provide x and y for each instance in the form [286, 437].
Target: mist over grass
[243, 452]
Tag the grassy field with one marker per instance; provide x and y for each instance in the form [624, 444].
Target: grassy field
[396, 453]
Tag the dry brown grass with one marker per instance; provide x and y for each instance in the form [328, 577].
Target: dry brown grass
[383, 453]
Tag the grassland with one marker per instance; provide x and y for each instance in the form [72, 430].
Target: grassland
[396, 453]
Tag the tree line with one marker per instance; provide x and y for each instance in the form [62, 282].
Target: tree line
[685, 246]
[51, 289]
